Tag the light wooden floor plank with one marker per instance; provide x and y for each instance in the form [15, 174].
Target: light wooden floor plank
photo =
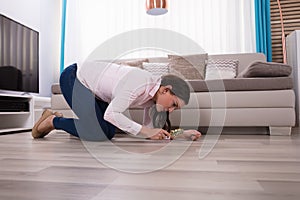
[60, 167]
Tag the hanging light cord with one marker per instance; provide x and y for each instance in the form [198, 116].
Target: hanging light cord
[282, 33]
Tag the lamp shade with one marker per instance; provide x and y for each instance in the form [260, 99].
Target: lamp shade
[156, 7]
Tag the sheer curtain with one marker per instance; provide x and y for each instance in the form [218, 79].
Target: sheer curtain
[218, 26]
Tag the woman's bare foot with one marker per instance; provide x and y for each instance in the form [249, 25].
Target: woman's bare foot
[58, 114]
[46, 126]
[35, 133]
[47, 116]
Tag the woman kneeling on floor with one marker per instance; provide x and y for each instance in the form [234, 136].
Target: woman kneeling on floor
[99, 93]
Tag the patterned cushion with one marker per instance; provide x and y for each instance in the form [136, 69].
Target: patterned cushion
[158, 69]
[221, 69]
[189, 66]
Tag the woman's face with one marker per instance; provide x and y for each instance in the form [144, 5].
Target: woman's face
[166, 101]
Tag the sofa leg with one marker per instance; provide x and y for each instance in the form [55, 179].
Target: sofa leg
[280, 130]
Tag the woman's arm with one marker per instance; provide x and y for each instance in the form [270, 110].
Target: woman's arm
[114, 114]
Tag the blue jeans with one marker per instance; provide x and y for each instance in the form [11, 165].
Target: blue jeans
[90, 124]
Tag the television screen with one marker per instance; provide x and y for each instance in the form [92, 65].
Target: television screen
[19, 57]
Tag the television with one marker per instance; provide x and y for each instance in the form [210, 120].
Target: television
[19, 57]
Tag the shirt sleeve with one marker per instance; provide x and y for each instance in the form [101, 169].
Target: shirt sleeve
[133, 89]
[115, 114]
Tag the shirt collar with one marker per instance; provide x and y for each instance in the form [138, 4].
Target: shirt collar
[155, 88]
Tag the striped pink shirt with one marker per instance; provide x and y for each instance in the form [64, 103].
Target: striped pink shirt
[122, 87]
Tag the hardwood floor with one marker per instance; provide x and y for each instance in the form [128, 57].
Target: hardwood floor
[237, 167]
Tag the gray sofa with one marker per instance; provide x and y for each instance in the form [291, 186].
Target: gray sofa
[258, 104]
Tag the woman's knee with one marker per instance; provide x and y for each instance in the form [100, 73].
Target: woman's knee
[68, 74]
[66, 81]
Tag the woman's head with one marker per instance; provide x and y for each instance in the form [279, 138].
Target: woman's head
[173, 94]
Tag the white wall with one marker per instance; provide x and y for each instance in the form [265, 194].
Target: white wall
[43, 16]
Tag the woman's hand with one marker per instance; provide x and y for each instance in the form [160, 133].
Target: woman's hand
[190, 135]
[160, 135]
[155, 133]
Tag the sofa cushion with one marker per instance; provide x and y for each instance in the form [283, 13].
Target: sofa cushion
[266, 69]
[241, 84]
[187, 72]
[158, 69]
[189, 66]
[221, 69]
[237, 84]
[242, 99]
[245, 59]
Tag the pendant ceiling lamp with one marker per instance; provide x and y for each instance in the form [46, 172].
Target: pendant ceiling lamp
[156, 7]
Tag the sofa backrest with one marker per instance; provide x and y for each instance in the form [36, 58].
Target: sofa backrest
[245, 59]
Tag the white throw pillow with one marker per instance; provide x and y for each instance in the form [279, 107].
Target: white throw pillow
[221, 69]
[158, 69]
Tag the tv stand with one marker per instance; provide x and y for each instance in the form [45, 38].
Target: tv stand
[14, 104]
[19, 112]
